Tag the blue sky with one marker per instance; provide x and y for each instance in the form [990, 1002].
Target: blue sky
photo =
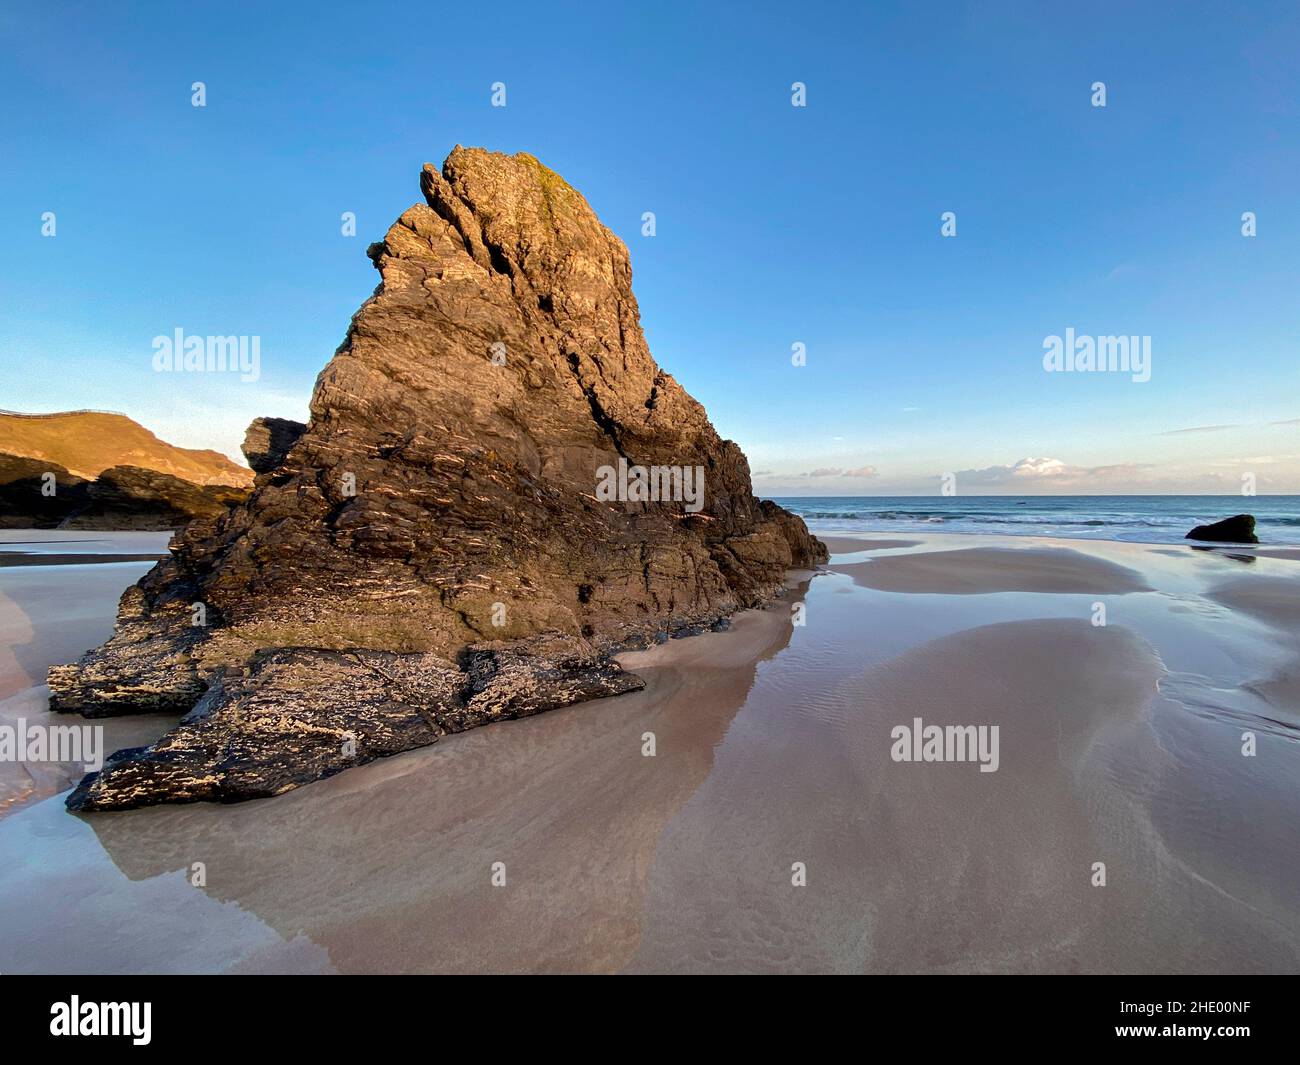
[775, 224]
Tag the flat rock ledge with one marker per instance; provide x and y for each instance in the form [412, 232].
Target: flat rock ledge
[296, 715]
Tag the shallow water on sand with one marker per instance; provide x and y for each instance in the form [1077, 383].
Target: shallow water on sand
[58, 597]
[1119, 744]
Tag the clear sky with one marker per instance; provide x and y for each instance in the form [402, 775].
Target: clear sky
[775, 224]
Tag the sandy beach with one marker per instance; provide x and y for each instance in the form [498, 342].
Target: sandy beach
[1120, 744]
[58, 597]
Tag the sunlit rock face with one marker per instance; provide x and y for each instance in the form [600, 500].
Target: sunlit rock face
[495, 470]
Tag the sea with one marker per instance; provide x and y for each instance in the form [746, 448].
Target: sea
[1143, 519]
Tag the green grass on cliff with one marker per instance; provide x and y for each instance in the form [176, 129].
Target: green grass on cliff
[552, 185]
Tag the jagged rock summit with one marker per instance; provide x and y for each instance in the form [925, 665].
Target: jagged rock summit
[433, 551]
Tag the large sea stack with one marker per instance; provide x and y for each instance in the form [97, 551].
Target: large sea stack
[429, 553]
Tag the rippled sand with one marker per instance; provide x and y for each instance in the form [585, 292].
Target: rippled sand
[1120, 744]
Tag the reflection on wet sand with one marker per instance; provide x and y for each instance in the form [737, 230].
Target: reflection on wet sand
[389, 867]
[937, 868]
[49, 614]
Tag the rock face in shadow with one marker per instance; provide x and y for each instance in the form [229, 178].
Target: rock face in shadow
[123, 497]
[26, 501]
[447, 500]
[128, 497]
[1239, 529]
[268, 440]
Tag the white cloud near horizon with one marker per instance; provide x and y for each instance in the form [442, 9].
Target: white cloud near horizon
[821, 472]
[1045, 471]
[1044, 475]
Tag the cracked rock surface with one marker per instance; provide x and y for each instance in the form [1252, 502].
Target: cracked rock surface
[295, 715]
[429, 552]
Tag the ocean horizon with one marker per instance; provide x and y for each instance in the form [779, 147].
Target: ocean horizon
[1133, 518]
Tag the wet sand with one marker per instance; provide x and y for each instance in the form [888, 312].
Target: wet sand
[58, 598]
[981, 570]
[1119, 744]
[1292, 553]
[839, 545]
[1272, 601]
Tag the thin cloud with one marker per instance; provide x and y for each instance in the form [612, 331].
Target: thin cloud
[1200, 429]
[859, 473]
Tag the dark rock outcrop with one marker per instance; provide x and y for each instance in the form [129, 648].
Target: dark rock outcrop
[268, 440]
[1239, 529]
[300, 714]
[128, 497]
[36, 493]
[444, 504]
[123, 497]
[149, 666]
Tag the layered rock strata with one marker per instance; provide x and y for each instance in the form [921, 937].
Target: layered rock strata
[438, 547]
